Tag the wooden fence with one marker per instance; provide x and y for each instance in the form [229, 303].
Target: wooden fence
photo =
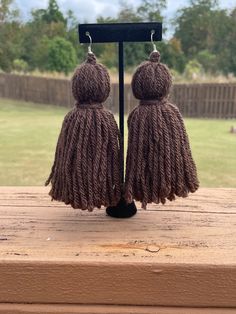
[211, 100]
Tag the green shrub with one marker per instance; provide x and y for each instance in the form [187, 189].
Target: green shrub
[61, 55]
[20, 65]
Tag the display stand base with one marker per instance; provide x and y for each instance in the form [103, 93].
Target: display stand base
[122, 210]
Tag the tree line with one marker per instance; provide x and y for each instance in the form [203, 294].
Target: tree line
[204, 38]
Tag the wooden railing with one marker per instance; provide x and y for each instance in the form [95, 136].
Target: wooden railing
[179, 258]
[211, 100]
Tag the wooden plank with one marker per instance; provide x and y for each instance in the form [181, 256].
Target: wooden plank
[219, 101]
[205, 200]
[168, 257]
[234, 102]
[206, 101]
[225, 110]
[209, 101]
[230, 102]
[165, 236]
[185, 100]
[198, 102]
[118, 283]
[215, 97]
[105, 309]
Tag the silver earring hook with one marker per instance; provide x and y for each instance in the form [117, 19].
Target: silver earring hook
[90, 44]
[152, 41]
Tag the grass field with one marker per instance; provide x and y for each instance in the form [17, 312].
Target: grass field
[28, 135]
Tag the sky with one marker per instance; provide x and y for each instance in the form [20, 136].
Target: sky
[88, 10]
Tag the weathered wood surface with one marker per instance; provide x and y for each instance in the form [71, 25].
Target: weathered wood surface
[180, 254]
[105, 309]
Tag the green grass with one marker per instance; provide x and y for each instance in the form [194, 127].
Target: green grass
[28, 135]
[214, 150]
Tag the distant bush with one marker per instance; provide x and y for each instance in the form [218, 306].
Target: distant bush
[207, 60]
[61, 55]
[193, 69]
[20, 65]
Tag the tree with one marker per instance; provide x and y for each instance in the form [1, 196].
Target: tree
[151, 10]
[208, 60]
[53, 14]
[172, 54]
[127, 14]
[10, 35]
[193, 69]
[72, 35]
[7, 12]
[232, 42]
[193, 26]
[223, 43]
[207, 34]
[20, 65]
[61, 55]
[109, 55]
[40, 53]
[44, 25]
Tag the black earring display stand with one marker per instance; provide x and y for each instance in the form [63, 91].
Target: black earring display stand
[120, 32]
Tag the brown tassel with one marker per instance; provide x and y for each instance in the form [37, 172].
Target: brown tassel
[159, 163]
[86, 170]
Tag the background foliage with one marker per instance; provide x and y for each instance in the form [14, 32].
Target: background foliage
[203, 41]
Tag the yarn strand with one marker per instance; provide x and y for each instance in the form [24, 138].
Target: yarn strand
[159, 164]
[86, 167]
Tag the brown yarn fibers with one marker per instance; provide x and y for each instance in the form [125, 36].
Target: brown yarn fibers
[159, 163]
[86, 169]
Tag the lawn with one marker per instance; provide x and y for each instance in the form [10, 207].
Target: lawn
[28, 135]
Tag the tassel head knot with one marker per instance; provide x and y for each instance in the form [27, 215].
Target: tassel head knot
[155, 56]
[152, 80]
[91, 58]
[91, 82]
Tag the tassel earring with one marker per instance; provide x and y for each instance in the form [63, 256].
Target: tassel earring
[86, 169]
[159, 162]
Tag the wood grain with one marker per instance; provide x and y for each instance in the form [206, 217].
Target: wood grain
[105, 309]
[117, 283]
[180, 254]
[199, 229]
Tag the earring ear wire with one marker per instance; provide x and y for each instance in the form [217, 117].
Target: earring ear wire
[153, 44]
[90, 44]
